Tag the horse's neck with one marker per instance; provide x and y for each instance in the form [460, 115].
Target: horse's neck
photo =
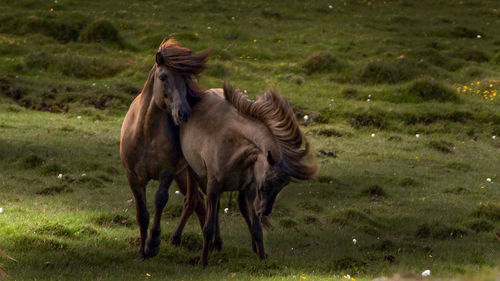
[148, 112]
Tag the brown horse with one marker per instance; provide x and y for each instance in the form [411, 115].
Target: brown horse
[256, 148]
[149, 146]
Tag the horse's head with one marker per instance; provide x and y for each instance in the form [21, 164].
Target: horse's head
[274, 182]
[174, 84]
[170, 90]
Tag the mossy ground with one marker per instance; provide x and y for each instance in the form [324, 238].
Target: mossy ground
[396, 69]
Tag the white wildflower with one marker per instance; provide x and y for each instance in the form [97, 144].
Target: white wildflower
[488, 179]
[372, 135]
[60, 176]
[493, 137]
[177, 192]
[306, 117]
[226, 210]
[354, 241]
[417, 135]
[478, 36]
[1, 210]
[330, 7]
[79, 117]
[426, 273]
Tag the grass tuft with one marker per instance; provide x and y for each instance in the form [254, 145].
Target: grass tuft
[101, 31]
[322, 61]
[287, 223]
[488, 211]
[480, 225]
[423, 90]
[32, 161]
[378, 71]
[55, 189]
[191, 241]
[441, 146]
[440, 231]
[110, 220]
[374, 190]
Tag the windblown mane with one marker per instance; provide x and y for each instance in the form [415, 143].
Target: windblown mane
[184, 62]
[277, 114]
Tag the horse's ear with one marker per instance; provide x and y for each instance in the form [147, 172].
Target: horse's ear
[159, 59]
[270, 158]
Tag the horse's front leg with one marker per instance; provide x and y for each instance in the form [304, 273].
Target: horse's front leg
[161, 198]
[217, 241]
[193, 202]
[138, 188]
[210, 223]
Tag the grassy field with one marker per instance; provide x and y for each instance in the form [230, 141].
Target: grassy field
[403, 93]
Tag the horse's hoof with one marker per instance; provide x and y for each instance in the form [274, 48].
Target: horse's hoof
[152, 248]
[264, 256]
[151, 252]
[176, 240]
[202, 263]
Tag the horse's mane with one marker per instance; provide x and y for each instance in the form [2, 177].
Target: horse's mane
[183, 61]
[277, 114]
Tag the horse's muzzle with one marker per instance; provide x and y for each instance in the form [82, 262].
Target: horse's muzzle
[184, 115]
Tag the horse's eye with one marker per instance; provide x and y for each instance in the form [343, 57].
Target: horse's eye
[163, 78]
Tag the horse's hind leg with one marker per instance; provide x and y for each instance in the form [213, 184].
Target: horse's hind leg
[161, 198]
[242, 203]
[209, 227]
[139, 190]
[245, 200]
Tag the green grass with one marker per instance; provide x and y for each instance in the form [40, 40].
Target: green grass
[389, 68]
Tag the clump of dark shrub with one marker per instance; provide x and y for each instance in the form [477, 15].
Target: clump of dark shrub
[322, 61]
[267, 13]
[481, 225]
[32, 161]
[408, 182]
[101, 31]
[374, 190]
[441, 146]
[369, 118]
[378, 71]
[471, 55]
[52, 169]
[464, 32]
